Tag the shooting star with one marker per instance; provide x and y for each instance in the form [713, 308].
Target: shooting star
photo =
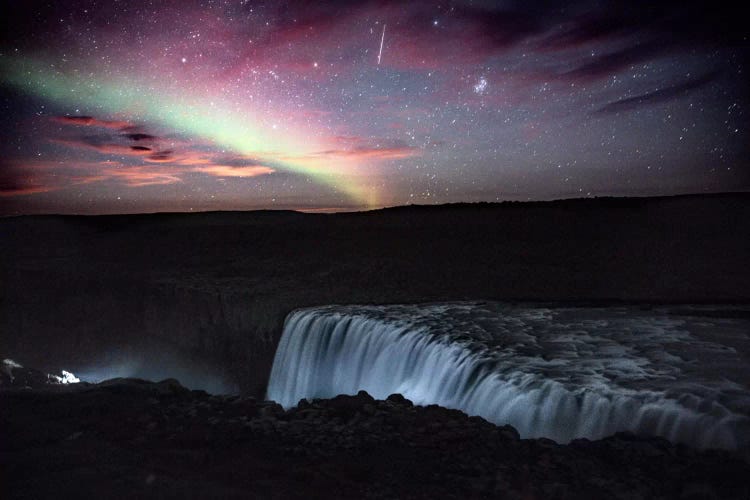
[382, 38]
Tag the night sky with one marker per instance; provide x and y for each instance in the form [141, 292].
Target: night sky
[143, 106]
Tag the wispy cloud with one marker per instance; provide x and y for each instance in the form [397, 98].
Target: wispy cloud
[362, 148]
[657, 96]
[607, 64]
[168, 164]
[41, 176]
[107, 149]
[231, 171]
[131, 166]
[140, 176]
[90, 121]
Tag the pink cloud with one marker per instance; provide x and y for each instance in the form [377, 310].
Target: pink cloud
[90, 121]
[145, 176]
[231, 171]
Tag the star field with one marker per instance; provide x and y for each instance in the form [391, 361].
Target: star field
[119, 107]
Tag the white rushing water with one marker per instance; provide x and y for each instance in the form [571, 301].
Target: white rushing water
[561, 373]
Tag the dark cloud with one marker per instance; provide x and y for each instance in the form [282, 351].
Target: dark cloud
[161, 157]
[17, 185]
[606, 65]
[658, 96]
[500, 28]
[588, 28]
[95, 144]
[697, 22]
[684, 23]
[297, 17]
[75, 120]
[140, 137]
[236, 160]
[106, 143]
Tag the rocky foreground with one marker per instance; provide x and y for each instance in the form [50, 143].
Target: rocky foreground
[128, 438]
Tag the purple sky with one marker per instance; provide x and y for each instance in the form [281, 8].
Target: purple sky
[119, 107]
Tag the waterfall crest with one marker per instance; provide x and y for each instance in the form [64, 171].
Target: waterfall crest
[537, 370]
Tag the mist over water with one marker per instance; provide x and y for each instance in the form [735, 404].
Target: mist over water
[156, 363]
[562, 373]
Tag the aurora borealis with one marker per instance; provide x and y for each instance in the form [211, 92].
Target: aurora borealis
[120, 107]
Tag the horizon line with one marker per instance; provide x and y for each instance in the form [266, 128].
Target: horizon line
[352, 210]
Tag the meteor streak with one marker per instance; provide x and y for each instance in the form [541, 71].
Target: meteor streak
[382, 38]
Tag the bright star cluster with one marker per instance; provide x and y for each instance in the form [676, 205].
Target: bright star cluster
[142, 106]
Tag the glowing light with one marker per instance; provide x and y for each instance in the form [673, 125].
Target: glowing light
[8, 365]
[481, 86]
[191, 113]
[67, 378]
[382, 39]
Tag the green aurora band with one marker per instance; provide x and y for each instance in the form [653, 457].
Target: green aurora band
[184, 113]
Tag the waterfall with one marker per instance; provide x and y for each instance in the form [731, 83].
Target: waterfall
[524, 382]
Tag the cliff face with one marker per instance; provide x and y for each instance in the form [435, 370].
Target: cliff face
[225, 322]
[76, 291]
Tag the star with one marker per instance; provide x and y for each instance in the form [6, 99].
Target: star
[481, 86]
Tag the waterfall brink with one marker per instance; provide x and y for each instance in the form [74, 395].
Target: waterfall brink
[558, 383]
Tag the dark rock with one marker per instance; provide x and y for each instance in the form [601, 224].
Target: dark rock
[303, 403]
[269, 409]
[170, 386]
[399, 399]
[509, 432]
[54, 439]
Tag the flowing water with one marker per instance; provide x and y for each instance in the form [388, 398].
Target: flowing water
[681, 372]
